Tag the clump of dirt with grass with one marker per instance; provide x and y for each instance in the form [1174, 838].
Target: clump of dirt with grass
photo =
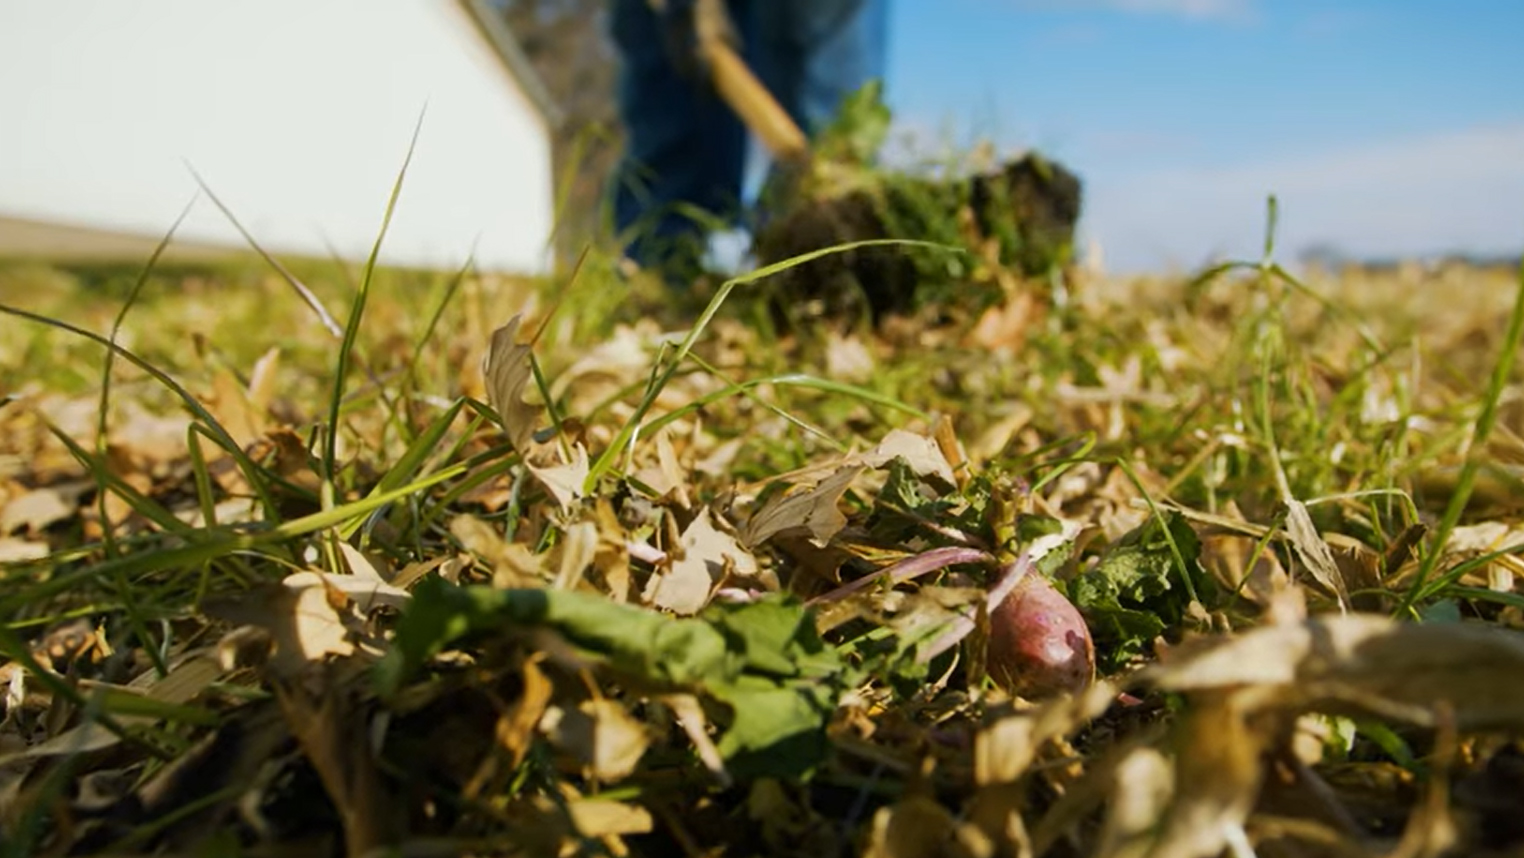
[1019, 216]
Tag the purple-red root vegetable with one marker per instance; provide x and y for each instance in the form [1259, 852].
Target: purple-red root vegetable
[1039, 644]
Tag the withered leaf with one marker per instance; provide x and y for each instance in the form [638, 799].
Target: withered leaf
[814, 509]
[1366, 662]
[35, 510]
[1313, 551]
[599, 735]
[509, 372]
[707, 553]
[922, 454]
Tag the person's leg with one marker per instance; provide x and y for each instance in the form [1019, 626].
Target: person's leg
[683, 146]
[812, 54]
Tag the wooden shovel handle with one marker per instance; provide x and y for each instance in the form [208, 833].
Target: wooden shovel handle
[753, 103]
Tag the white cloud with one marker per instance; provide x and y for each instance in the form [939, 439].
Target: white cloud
[1215, 10]
[1457, 191]
[1218, 9]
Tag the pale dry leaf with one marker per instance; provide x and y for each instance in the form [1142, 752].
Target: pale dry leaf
[848, 359]
[151, 441]
[921, 453]
[360, 565]
[323, 716]
[1486, 538]
[307, 620]
[367, 591]
[614, 364]
[1217, 778]
[1313, 551]
[598, 817]
[578, 547]
[512, 564]
[1003, 328]
[1004, 750]
[229, 403]
[1002, 432]
[672, 472]
[719, 460]
[509, 374]
[707, 554]
[690, 716]
[36, 510]
[262, 380]
[1143, 785]
[87, 737]
[1367, 663]
[814, 510]
[920, 827]
[599, 735]
[233, 510]
[564, 481]
[20, 550]
[315, 627]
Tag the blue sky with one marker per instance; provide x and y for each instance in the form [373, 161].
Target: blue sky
[1386, 127]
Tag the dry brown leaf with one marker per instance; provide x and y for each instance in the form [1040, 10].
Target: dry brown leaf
[919, 827]
[848, 359]
[1004, 750]
[509, 373]
[293, 461]
[1217, 777]
[36, 510]
[21, 550]
[513, 564]
[599, 817]
[922, 454]
[814, 510]
[516, 728]
[708, 555]
[308, 620]
[1003, 328]
[612, 559]
[1143, 784]
[262, 379]
[229, 403]
[579, 546]
[1313, 551]
[329, 722]
[1368, 663]
[599, 735]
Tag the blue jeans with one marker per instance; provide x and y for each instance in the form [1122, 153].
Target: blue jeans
[685, 150]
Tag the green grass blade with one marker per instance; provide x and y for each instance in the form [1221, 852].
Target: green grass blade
[1502, 371]
[356, 313]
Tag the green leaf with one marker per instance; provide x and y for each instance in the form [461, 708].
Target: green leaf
[1138, 589]
[775, 730]
[860, 128]
[764, 660]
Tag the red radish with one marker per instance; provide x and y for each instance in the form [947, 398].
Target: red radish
[1039, 644]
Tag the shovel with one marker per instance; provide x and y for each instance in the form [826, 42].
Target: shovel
[740, 88]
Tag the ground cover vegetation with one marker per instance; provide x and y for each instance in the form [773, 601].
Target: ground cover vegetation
[320, 559]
